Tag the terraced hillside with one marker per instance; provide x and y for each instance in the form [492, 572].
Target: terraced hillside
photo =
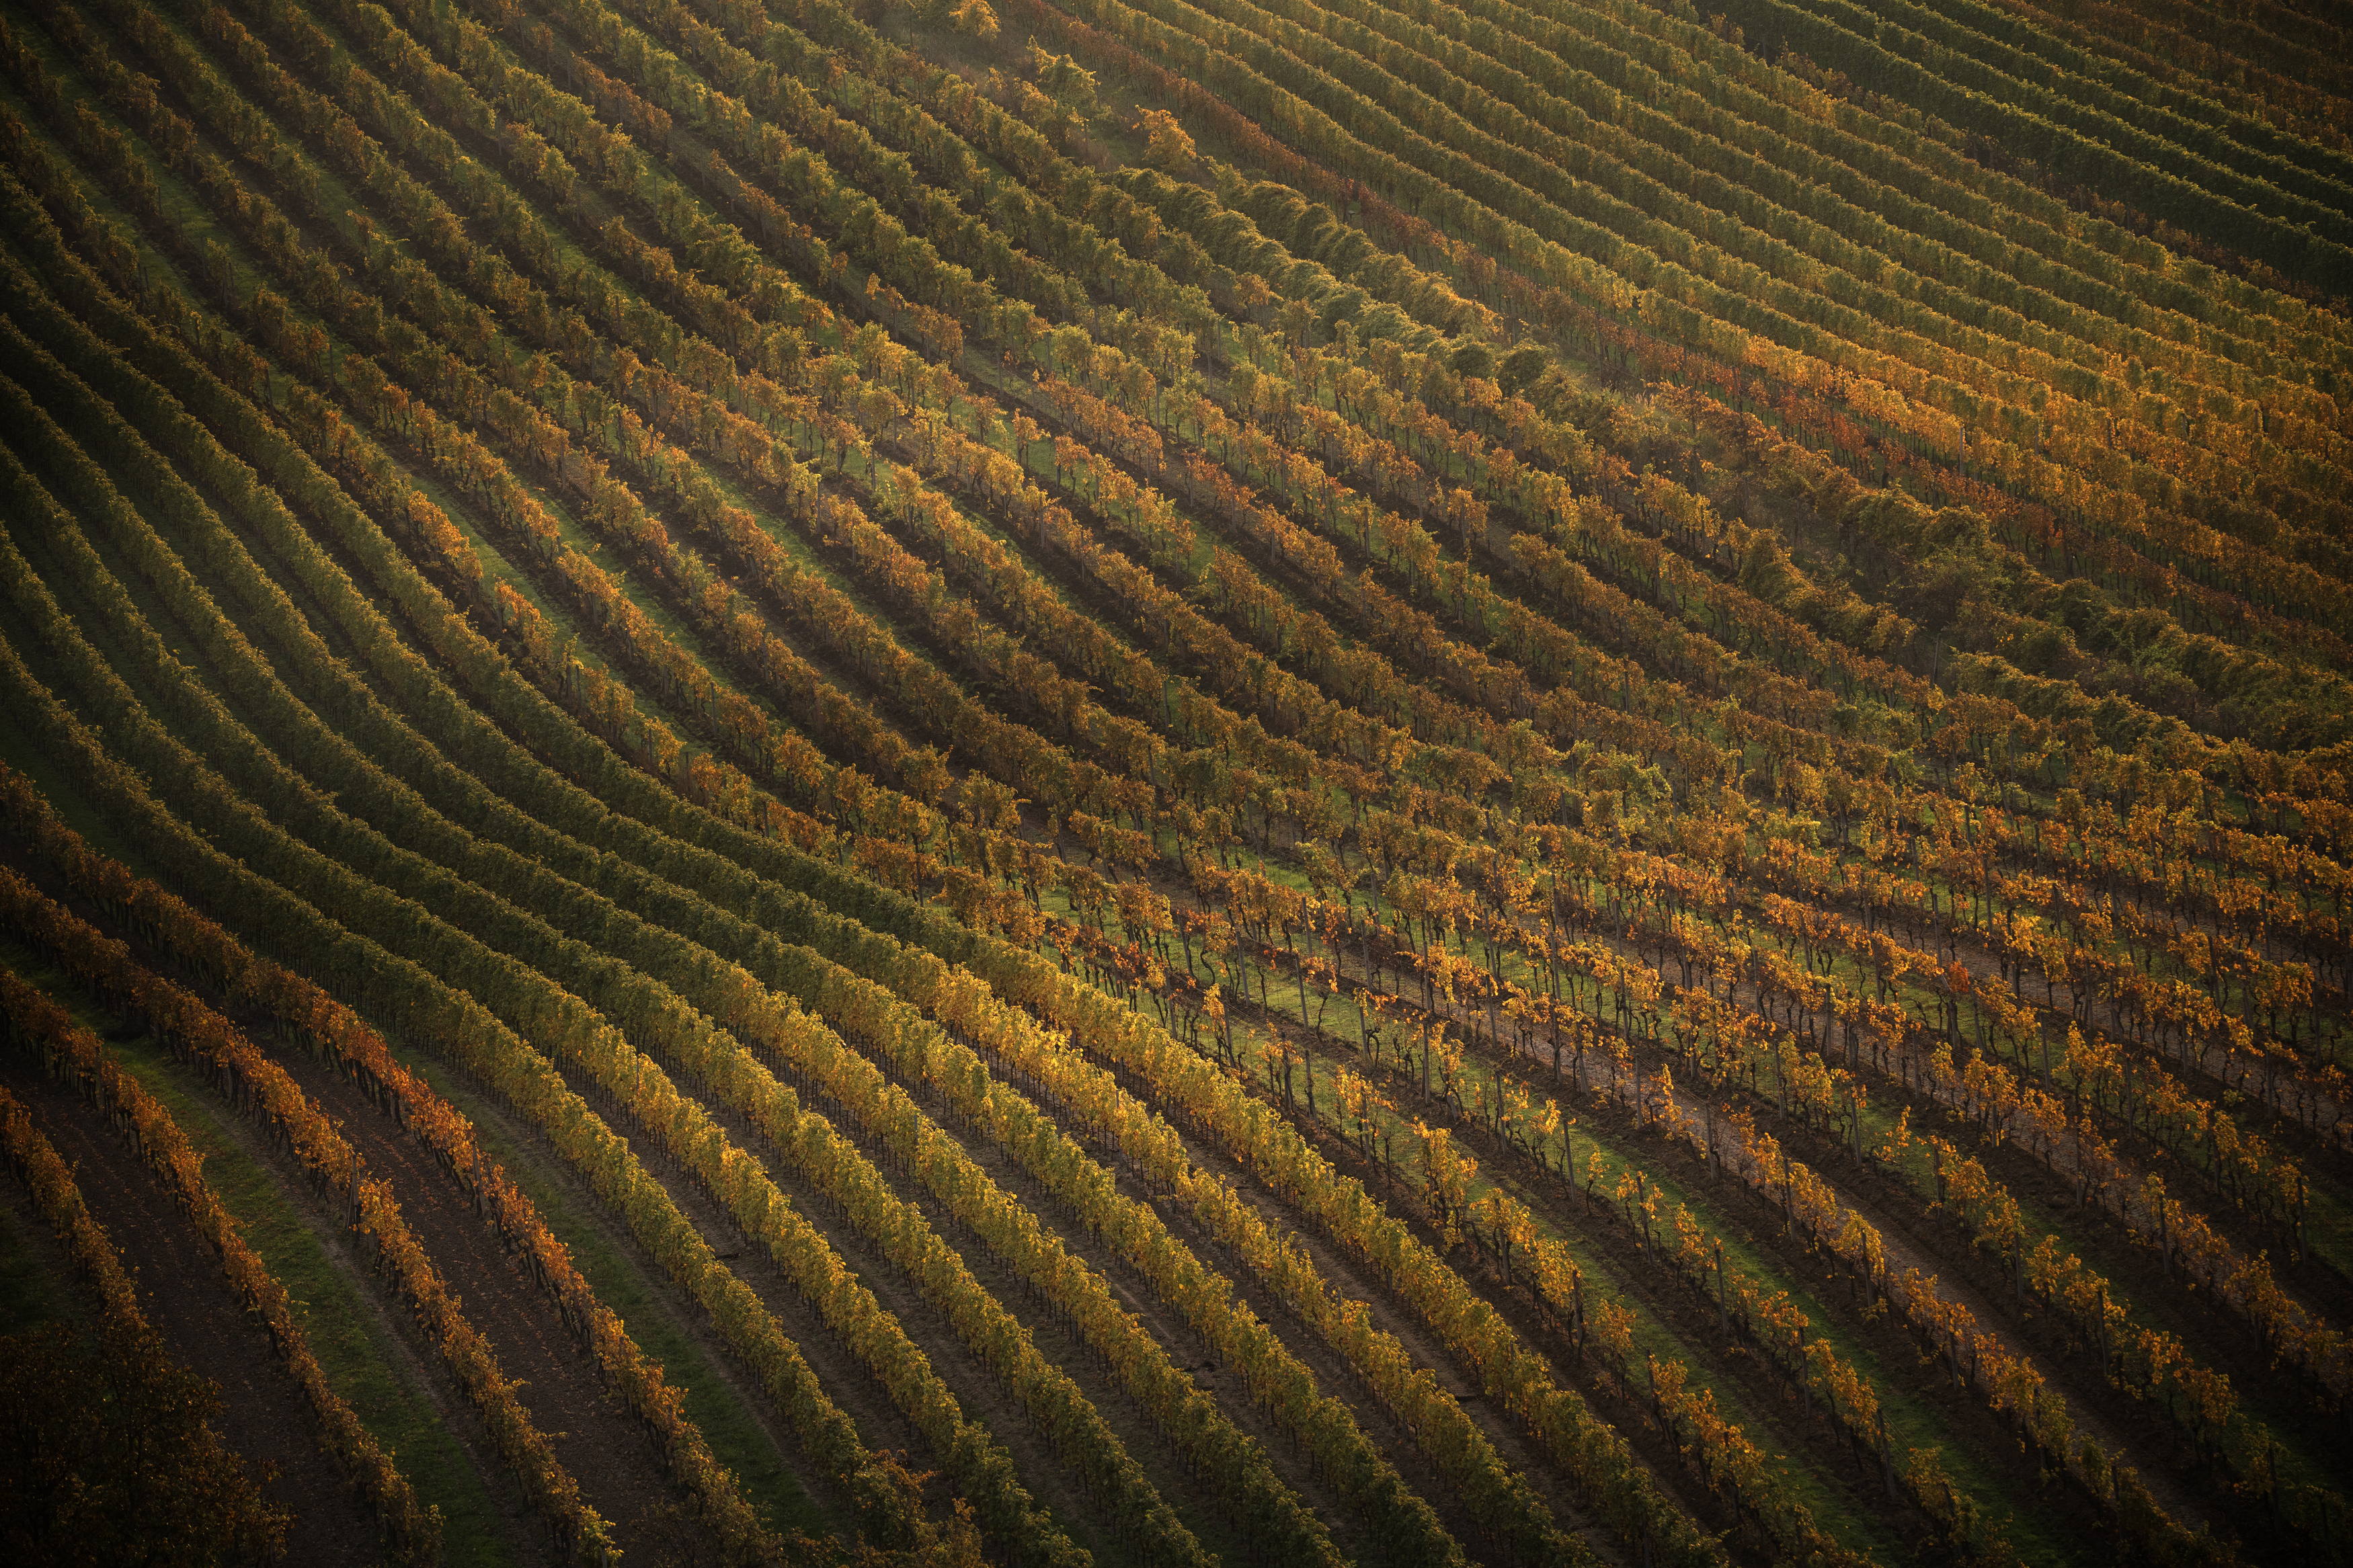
[1167, 783]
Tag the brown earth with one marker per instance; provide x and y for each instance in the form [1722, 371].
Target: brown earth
[1129, 1287]
[978, 1395]
[264, 1416]
[679, 1315]
[1748, 1217]
[859, 1394]
[620, 1472]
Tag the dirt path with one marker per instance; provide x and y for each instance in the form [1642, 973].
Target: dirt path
[620, 1472]
[1907, 1248]
[843, 1375]
[264, 1416]
[1133, 1291]
[978, 1395]
[509, 1137]
[1347, 1279]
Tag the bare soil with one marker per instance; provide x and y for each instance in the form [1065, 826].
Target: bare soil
[619, 1470]
[1185, 1350]
[264, 1416]
[680, 1316]
[1350, 1281]
[846, 1379]
[978, 1395]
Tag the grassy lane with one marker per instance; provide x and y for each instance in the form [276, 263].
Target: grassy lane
[353, 1336]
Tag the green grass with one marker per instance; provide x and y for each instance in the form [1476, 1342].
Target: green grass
[1651, 1337]
[346, 1334]
[345, 1331]
[1909, 1425]
[735, 1437]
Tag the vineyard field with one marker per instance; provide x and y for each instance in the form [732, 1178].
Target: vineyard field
[1176, 783]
